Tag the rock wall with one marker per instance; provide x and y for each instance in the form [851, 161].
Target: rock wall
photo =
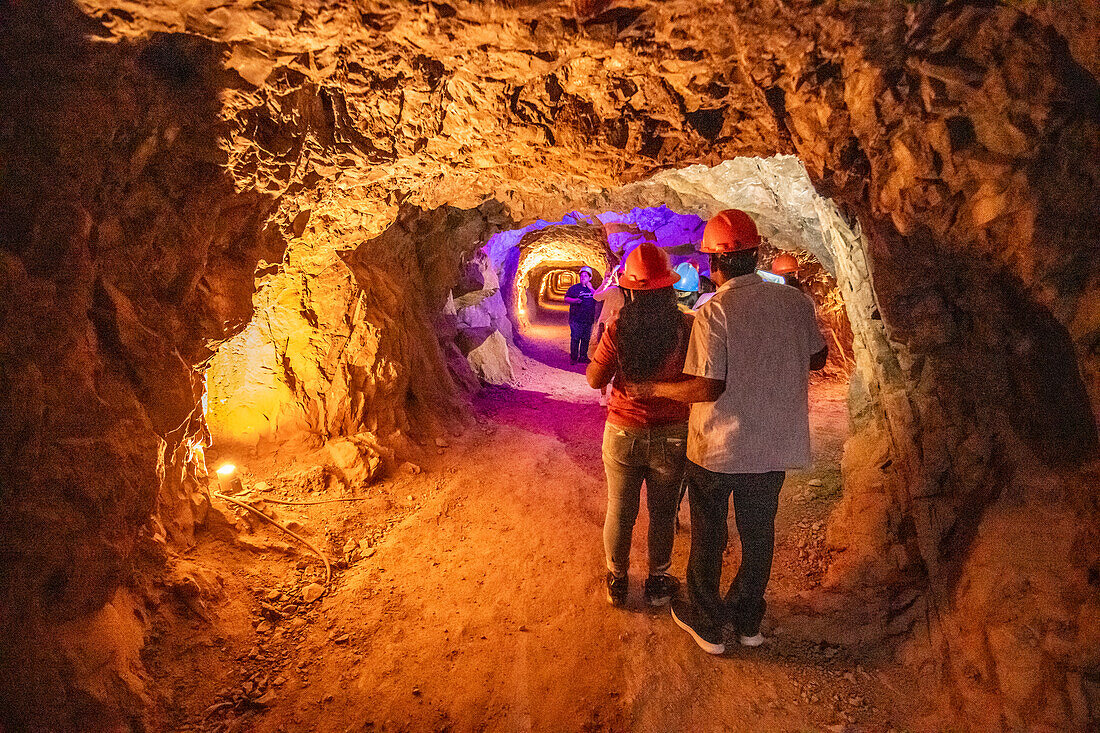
[945, 132]
[483, 323]
[126, 253]
[346, 339]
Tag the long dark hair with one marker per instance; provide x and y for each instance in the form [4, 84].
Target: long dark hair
[649, 329]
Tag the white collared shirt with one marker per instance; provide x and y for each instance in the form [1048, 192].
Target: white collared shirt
[758, 338]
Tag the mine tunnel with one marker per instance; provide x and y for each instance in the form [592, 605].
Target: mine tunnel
[296, 433]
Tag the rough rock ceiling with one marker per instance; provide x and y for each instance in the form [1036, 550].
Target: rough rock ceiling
[453, 102]
[776, 191]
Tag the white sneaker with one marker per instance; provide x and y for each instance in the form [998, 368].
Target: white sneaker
[751, 641]
[603, 400]
[712, 645]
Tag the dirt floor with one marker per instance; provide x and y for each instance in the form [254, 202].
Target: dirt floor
[470, 596]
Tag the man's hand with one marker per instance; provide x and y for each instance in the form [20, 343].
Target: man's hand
[640, 390]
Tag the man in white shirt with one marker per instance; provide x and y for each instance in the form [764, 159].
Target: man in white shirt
[752, 348]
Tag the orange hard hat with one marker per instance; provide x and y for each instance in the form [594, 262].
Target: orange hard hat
[731, 230]
[648, 268]
[784, 264]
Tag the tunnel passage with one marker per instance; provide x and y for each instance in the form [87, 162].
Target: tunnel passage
[555, 284]
[154, 168]
[546, 288]
[670, 210]
[563, 247]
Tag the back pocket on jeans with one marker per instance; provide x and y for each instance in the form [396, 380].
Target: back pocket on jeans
[618, 445]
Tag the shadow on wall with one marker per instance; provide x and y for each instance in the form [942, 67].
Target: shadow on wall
[1041, 378]
[124, 250]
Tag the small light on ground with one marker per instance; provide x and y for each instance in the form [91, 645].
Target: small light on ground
[226, 469]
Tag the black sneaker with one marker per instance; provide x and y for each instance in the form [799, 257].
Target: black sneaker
[617, 588]
[659, 589]
[705, 634]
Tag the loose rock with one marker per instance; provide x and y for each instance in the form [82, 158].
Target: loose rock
[312, 592]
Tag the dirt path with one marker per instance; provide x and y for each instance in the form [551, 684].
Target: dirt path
[477, 602]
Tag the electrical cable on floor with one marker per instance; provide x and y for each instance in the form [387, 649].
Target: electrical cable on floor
[245, 505]
[311, 503]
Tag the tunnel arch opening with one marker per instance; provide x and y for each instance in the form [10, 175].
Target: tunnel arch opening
[547, 285]
[671, 209]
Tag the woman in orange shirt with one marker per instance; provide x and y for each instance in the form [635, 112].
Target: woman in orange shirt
[645, 439]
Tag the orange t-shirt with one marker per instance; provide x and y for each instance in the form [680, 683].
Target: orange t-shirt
[628, 412]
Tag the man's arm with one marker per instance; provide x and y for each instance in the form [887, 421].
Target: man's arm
[814, 339]
[817, 361]
[696, 389]
[598, 375]
[574, 299]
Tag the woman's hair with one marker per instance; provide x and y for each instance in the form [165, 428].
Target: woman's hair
[649, 329]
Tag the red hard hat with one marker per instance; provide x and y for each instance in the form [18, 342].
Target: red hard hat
[647, 268]
[731, 230]
[784, 264]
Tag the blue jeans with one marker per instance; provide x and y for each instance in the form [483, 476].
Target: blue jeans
[630, 456]
[755, 503]
[580, 333]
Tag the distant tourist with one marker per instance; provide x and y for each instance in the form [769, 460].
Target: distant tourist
[752, 347]
[687, 287]
[582, 313]
[786, 266]
[645, 438]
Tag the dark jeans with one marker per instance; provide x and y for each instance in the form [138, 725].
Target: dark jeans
[755, 503]
[632, 455]
[580, 332]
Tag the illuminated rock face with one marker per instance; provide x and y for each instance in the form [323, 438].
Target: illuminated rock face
[342, 326]
[147, 174]
[126, 252]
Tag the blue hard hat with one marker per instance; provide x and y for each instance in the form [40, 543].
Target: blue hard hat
[689, 278]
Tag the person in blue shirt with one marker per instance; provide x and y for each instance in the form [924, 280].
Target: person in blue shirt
[582, 314]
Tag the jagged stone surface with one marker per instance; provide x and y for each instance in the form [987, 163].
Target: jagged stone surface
[921, 130]
[126, 255]
[148, 172]
[482, 322]
[343, 341]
